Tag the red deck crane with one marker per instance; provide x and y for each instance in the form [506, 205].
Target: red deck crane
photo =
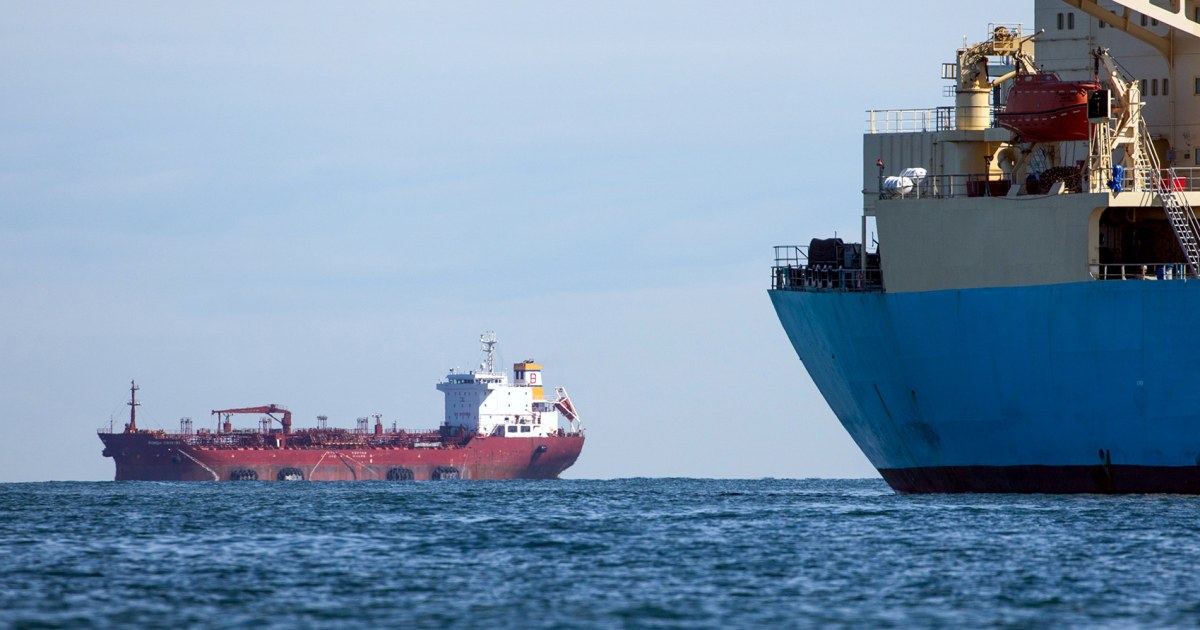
[285, 422]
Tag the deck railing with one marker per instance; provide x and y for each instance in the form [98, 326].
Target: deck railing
[910, 120]
[920, 119]
[981, 185]
[953, 185]
[1185, 179]
[1141, 271]
[792, 271]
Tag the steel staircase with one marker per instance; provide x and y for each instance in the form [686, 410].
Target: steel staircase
[1148, 177]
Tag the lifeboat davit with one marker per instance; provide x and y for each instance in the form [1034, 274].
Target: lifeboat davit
[1042, 108]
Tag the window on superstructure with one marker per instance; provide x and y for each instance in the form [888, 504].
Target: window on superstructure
[1060, 21]
[1143, 86]
[1166, 87]
[1153, 87]
[1144, 19]
[1197, 85]
[1153, 22]
[1070, 21]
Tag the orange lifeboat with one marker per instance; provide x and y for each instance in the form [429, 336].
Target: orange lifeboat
[1043, 108]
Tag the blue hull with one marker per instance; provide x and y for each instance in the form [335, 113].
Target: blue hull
[1083, 387]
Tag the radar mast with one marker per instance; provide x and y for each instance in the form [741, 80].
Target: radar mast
[488, 339]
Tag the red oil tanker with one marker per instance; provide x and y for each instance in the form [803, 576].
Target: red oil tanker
[492, 429]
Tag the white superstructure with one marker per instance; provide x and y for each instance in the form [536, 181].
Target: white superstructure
[485, 403]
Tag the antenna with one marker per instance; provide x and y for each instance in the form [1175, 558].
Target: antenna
[488, 339]
[133, 405]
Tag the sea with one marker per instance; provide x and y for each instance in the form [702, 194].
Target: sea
[627, 553]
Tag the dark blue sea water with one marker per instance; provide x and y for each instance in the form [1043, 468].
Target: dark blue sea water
[637, 553]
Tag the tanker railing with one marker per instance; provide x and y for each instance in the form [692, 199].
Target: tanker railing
[805, 278]
[791, 255]
[923, 120]
[792, 272]
[950, 186]
[917, 120]
[1141, 271]
[1182, 179]
[1179, 179]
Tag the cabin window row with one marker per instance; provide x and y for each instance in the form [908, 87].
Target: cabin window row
[1066, 20]
[1147, 20]
[1150, 87]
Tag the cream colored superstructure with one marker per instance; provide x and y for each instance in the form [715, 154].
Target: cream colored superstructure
[1170, 92]
[937, 237]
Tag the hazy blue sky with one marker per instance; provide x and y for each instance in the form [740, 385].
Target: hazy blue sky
[322, 205]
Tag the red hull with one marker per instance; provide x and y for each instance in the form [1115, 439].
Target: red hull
[162, 457]
[1041, 108]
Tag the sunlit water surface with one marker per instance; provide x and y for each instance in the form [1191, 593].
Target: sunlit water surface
[626, 553]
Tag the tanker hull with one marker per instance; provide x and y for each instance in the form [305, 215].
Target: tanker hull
[493, 429]
[156, 457]
[1081, 387]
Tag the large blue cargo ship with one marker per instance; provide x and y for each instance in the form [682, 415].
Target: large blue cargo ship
[1024, 322]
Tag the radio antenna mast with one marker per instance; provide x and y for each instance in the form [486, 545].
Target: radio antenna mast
[488, 339]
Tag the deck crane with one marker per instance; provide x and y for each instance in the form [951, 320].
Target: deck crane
[1124, 127]
[973, 85]
[566, 408]
[285, 421]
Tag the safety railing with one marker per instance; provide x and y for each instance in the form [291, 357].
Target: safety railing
[981, 185]
[817, 279]
[948, 186]
[926, 119]
[792, 272]
[1186, 179]
[910, 120]
[791, 255]
[1140, 271]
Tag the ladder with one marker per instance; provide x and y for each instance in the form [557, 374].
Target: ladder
[1148, 177]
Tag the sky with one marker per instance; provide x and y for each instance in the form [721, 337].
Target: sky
[323, 205]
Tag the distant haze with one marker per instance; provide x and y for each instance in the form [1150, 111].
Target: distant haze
[322, 206]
